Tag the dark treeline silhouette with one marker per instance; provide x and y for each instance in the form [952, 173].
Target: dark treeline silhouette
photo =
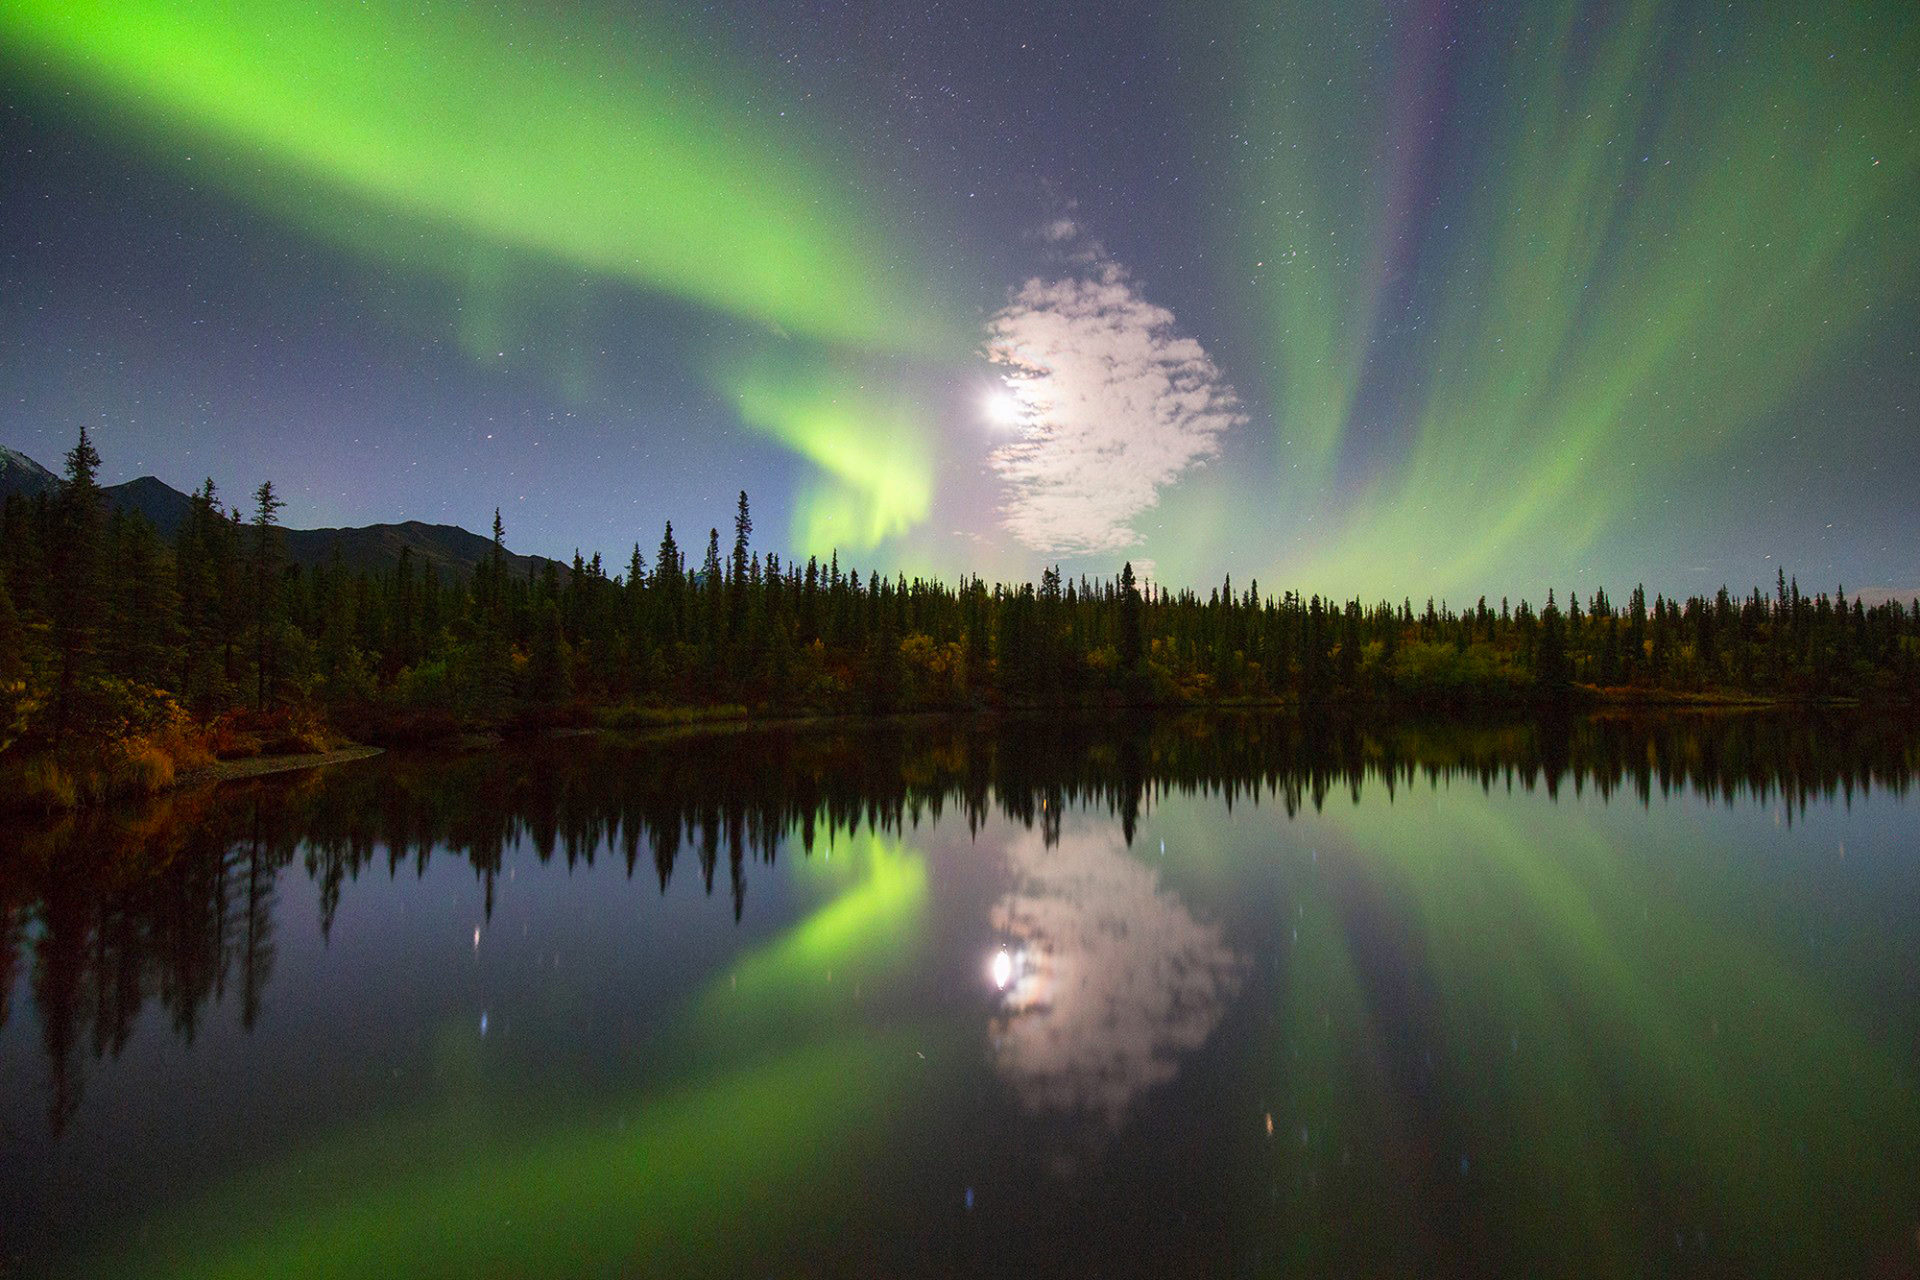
[173, 902]
[106, 629]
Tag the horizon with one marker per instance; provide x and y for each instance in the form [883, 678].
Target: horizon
[1868, 595]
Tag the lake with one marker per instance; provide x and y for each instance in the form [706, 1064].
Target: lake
[1224, 995]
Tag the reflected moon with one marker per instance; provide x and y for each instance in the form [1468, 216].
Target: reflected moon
[1111, 982]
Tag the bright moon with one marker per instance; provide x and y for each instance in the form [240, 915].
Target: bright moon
[1003, 408]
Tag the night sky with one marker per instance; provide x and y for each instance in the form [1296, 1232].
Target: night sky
[1370, 298]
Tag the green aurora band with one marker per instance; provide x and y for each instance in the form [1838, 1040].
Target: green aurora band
[1654, 271]
[868, 441]
[510, 132]
[1646, 234]
[1314, 214]
[647, 168]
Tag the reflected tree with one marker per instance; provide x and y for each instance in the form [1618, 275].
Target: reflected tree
[177, 901]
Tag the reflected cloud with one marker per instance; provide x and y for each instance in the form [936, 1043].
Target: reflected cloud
[1107, 980]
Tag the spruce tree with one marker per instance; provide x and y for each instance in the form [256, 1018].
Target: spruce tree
[1132, 622]
[550, 661]
[75, 570]
[146, 607]
[668, 583]
[1552, 671]
[738, 573]
[266, 512]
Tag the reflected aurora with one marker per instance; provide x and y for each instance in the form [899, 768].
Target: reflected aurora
[1647, 1060]
[579, 1196]
[440, 1193]
[1411, 1004]
[868, 930]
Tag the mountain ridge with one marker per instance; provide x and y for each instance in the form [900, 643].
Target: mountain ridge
[451, 549]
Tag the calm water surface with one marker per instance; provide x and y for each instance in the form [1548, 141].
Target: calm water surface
[1207, 997]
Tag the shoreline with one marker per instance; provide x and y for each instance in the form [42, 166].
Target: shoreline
[626, 718]
[261, 766]
[653, 724]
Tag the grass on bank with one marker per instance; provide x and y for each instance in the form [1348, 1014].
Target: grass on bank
[149, 756]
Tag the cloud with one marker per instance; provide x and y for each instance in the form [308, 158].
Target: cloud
[1113, 405]
[1112, 982]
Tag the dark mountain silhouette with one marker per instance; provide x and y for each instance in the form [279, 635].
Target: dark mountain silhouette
[21, 474]
[162, 504]
[452, 551]
[449, 548]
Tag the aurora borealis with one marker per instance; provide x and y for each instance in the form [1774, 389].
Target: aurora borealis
[1461, 299]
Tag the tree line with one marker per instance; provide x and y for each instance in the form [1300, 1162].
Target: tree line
[106, 627]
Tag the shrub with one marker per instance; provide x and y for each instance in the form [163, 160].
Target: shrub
[39, 783]
[184, 744]
[229, 738]
[283, 731]
[138, 767]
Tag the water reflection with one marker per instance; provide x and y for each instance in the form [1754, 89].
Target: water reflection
[174, 903]
[1304, 998]
[1115, 979]
[1529, 1032]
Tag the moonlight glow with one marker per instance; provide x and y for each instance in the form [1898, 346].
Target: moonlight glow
[1002, 408]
